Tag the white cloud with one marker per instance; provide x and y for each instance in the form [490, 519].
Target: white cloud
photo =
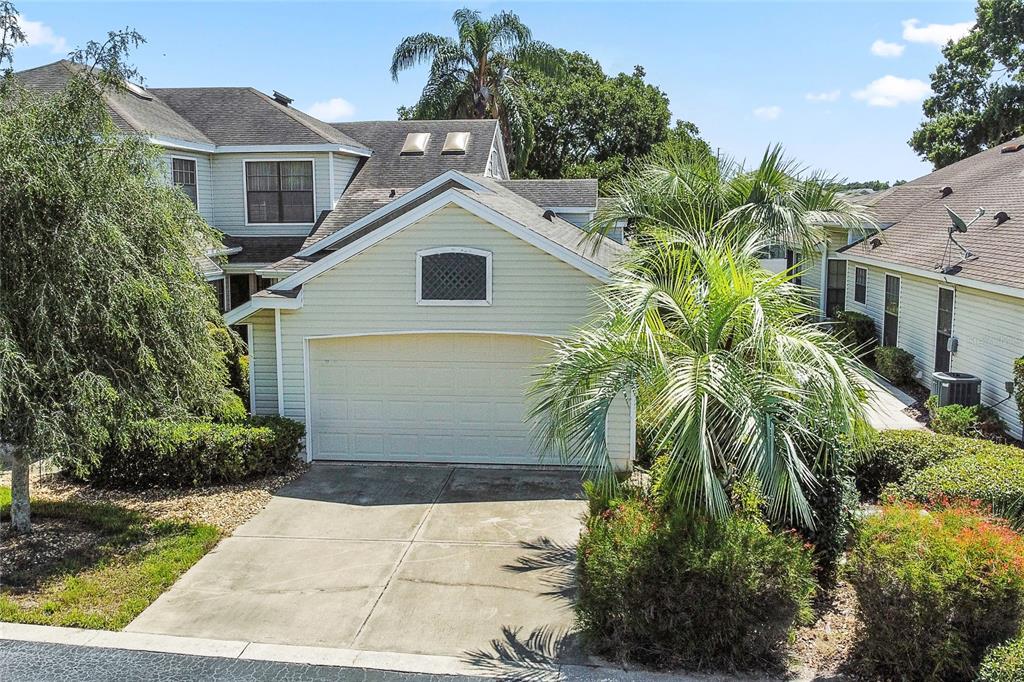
[334, 109]
[891, 91]
[936, 34]
[827, 96]
[38, 34]
[880, 48]
[768, 113]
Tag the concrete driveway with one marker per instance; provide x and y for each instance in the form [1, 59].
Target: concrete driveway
[418, 559]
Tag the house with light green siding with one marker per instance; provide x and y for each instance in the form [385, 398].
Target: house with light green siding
[398, 292]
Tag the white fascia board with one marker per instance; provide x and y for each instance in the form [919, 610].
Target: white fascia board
[571, 209]
[226, 251]
[173, 143]
[1012, 292]
[461, 200]
[447, 176]
[258, 303]
[213, 276]
[271, 273]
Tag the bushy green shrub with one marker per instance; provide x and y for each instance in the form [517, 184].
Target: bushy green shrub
[235, 359]
[671, 590]
[890, 457]
[976, 421]
[1004, 663]
[995, 479]
[231, 409]
[895, 364]
[935, 589]
[857, 330]
[835, 502]
[159, 453]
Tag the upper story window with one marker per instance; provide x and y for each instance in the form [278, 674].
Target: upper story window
[453, 276]
[279, 192]
[183, 175]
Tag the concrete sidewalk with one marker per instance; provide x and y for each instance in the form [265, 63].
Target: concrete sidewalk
[886, 404]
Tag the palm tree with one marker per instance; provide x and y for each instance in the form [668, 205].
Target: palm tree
[730, 367]
[694, 191]
[476, 74]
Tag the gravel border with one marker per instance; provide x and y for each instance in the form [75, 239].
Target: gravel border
[223, 506]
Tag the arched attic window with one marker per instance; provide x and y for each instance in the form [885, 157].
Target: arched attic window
[453, 275]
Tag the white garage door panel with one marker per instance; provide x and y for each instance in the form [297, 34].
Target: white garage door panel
[423, 397]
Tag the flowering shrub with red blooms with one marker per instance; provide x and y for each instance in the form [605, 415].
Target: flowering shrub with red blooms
[936, 586]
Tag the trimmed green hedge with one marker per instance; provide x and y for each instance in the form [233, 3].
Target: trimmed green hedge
[976, 421]
[156, 453]
[1004, 663]
[895, 364]
[995, 479]
[893, 456]
[669, 590]
[935, 590]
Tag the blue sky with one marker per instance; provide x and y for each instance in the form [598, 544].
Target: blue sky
[838, 84]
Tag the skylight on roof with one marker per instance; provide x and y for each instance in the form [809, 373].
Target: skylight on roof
[415, 143]
[137, 90]
[455, 143]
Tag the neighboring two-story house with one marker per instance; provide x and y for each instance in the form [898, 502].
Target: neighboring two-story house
[398, 291]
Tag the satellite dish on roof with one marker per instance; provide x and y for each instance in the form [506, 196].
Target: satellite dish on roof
[959, 225]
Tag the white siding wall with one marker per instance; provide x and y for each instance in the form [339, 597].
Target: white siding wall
[229, 192]
[989, 328]
[344, 166]
[204, 179]
[376, 292]
[263, 361]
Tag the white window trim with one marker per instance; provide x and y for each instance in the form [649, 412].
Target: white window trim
[856, 269]
[245, 192]
[194, 160]
[952, 320]
[899, 307]
[451, 249]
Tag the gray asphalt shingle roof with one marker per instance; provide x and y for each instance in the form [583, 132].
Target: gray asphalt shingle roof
[916, 224]
[388, 174]
[556, 193]
[135, 113]
[245, 116]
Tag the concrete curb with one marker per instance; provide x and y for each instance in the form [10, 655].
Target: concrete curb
[280, 653]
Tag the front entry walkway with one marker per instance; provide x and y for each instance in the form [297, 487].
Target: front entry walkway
[438, 560]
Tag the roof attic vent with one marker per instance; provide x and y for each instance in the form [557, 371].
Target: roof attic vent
[946, 191]
[1010, 148]
[875, 243]
[392, 193]
[282, 99]
[415, 144]
[1001, 217]
[455, 143]
[549, 215]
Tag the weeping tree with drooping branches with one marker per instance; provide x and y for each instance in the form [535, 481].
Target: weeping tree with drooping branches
[103, 316]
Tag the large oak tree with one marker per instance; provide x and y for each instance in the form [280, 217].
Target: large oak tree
[979, 89]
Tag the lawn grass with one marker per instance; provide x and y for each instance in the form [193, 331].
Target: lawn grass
[136, 559]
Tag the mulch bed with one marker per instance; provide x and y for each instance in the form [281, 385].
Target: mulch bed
[27, 560]
[223, 506]
[822, 649]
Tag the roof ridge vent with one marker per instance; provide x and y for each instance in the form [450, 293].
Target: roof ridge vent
[1010, 148]
[282, 99]
[946, 191]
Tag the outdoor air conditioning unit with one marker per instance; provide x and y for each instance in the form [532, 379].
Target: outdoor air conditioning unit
[956, 388]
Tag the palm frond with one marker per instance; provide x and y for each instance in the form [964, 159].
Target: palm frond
[416, 49]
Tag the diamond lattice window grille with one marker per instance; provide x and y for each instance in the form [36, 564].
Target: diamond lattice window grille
[454, 277]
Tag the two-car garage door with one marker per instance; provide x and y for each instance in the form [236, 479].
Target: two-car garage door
[423, 397]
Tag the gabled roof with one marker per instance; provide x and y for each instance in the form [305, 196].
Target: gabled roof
[245, 116]
[556, 193]
[916, 225]
[210, 117]
[133, 112]
[388, 174]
